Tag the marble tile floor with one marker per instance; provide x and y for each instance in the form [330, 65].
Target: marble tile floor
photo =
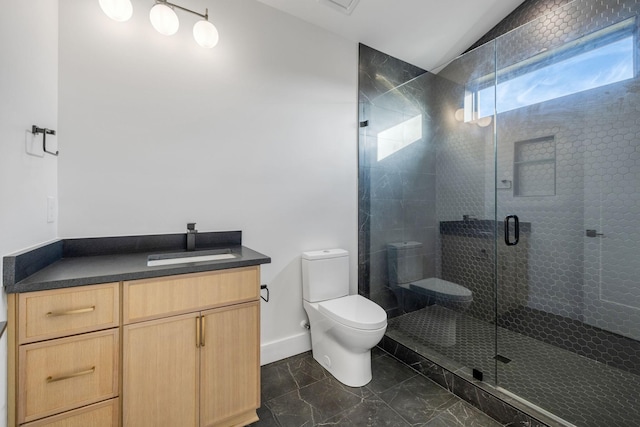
[297, 391]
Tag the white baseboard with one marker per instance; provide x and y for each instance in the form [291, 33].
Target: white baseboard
[285, 347]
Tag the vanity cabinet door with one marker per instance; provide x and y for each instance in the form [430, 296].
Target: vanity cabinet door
[161, 372]
[230, 365]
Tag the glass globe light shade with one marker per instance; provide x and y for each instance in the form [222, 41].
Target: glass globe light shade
[205, 34]
[459, 115]
[118, 10]
[164, 19]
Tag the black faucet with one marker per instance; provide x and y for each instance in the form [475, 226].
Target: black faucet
[191, 236]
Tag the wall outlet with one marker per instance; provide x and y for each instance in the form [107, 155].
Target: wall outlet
[51, 209]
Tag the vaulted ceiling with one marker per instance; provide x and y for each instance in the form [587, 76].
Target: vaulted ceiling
[426, 33]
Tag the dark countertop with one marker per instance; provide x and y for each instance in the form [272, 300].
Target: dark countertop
[482, 228]
[65, 263]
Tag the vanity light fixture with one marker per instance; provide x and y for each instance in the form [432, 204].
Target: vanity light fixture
[164, 19]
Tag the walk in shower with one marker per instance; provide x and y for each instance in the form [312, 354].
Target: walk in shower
[500, 210]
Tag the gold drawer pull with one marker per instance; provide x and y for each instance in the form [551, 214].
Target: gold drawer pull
[66, 377]
[77, 311]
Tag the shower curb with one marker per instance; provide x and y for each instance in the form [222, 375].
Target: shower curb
[499, 406]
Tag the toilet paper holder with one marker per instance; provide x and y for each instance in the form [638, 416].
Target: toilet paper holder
[44, 131]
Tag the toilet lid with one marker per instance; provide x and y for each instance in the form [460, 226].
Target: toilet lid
[355, 311]
[441, 288]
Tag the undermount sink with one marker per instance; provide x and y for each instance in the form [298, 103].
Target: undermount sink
[189, 257]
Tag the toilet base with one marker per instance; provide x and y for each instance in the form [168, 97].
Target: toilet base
[343, 351]
[351, 369]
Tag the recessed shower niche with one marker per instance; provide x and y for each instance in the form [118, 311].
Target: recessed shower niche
[534, 167]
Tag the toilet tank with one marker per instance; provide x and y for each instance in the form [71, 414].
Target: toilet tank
[325, 274]
[404, 262]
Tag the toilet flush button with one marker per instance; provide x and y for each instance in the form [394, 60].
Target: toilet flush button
[327, 361]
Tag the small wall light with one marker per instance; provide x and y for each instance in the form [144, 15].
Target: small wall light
[483, 122]
[462, 116]
[164, 19]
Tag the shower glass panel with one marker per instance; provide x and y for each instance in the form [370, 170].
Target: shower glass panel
[395, 181]
[431, 228]
[568, 166]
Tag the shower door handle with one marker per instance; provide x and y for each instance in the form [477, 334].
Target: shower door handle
[516, 229]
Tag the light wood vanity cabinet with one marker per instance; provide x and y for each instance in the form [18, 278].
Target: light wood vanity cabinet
[63, 354]
[172, 351]
[196, 361]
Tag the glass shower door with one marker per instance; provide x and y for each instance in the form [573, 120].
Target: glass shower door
[465, 212]
[568, 198]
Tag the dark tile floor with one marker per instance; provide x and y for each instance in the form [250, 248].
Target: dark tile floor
[298, 392]
[580, 390]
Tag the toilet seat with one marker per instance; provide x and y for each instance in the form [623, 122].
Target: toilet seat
[439, 288]
[355, 311]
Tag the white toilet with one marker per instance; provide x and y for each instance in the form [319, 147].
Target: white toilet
[344, 328]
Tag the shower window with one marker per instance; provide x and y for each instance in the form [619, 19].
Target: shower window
[600, 59]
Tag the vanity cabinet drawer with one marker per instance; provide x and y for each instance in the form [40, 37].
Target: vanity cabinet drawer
[154, 298]
[68, 311]
[67, 373]
[103, 414]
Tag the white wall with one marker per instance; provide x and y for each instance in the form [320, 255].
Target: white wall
[258, 134]
[28, 96]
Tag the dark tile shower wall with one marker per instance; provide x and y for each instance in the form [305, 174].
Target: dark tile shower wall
[377, 74]
[528, 11]
[397, 192]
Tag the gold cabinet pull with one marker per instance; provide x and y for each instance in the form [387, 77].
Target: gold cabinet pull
[76, 374]
[198, 331]
[202, 331]
[67, 312]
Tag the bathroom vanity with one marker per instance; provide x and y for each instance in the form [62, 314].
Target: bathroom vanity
[104, 340]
